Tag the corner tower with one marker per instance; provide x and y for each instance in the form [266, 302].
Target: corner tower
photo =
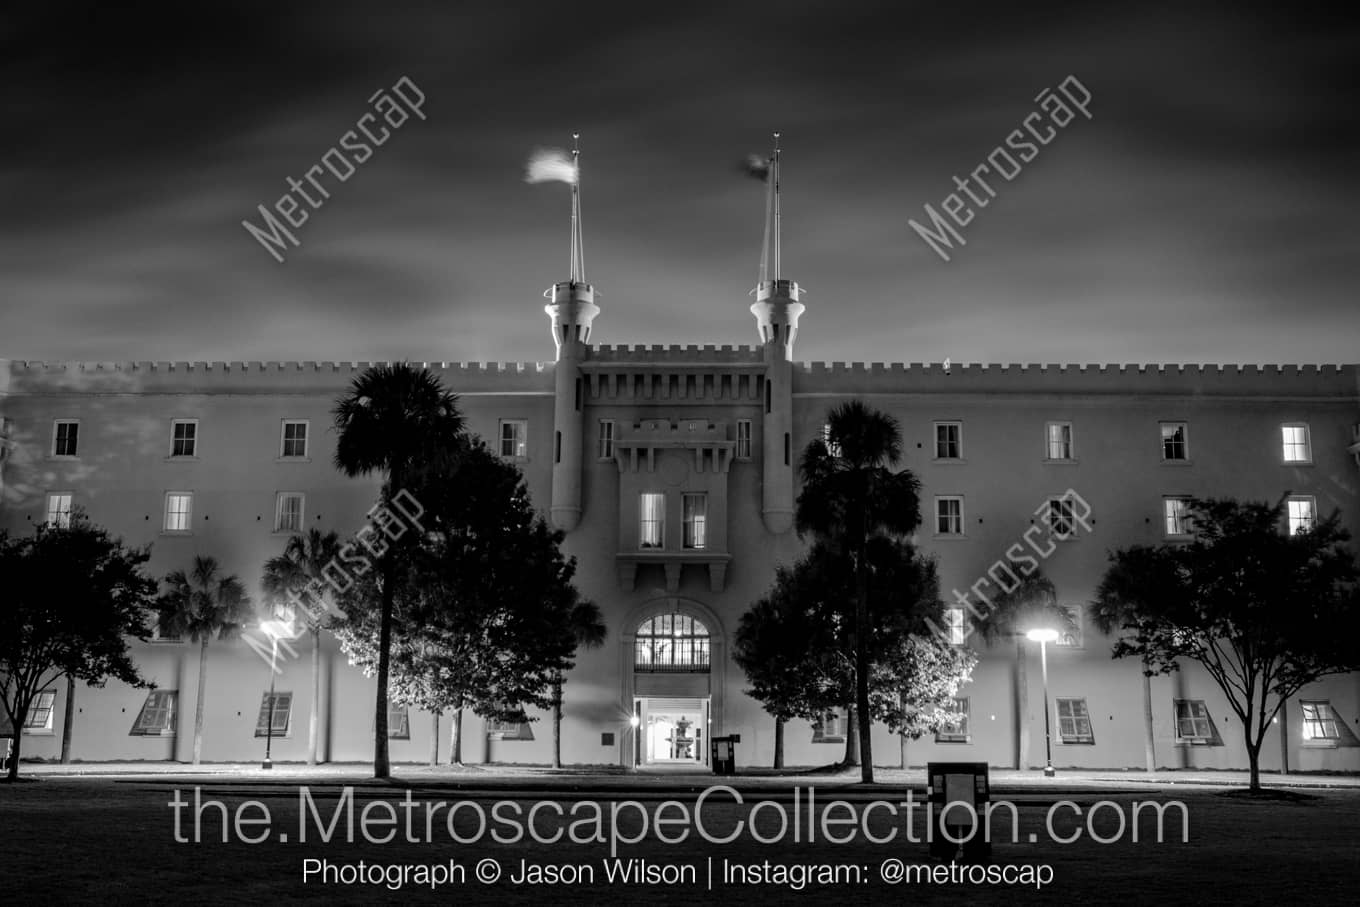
[777, 311]
[572, 308]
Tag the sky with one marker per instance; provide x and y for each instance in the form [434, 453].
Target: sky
[1204, 213]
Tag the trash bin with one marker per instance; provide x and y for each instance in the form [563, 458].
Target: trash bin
[959, 834]
[724, 752]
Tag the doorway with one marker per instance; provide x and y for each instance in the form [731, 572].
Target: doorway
[672, 732]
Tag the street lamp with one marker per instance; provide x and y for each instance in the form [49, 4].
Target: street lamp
[1044, 636]
[273, 629]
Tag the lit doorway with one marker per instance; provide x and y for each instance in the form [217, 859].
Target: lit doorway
[672, 732]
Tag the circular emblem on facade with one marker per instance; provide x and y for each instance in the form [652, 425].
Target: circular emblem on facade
[673, 468]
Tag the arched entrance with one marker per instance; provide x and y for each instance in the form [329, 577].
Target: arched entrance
[674, 668]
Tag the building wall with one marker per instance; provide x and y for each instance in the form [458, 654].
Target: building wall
[1234, 415]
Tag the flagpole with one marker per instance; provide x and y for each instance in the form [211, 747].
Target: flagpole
[576, 209]
[774, 177]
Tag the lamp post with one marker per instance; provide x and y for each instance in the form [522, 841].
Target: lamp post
[273, 630]
[1044, 636]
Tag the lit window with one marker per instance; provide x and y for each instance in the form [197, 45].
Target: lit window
[829, 727]
[957, 732]
[514, 438]
[1297, 446]
[949, 516]
[743, 439]
[606, 439]
[294, 438]
[652, 525]
[1176, 516]
[59, 509]
[1074, 724]
[1071, 637]
[398, 722]
[281, 713]
[948, 440]
[39, 718]
[65, 438]
[288, 512]
[833, 448]
[1301, 514]
[157, 718]
[696, 520]
[1059, 440]
[184, 438]
[671, 644]
[955, 625]
[1192, 721]
[1319, 721]
[179, 507]
[1174, 445]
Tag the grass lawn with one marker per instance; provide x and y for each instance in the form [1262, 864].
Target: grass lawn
[113, 841]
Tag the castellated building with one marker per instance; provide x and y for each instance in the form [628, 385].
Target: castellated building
[673, 472]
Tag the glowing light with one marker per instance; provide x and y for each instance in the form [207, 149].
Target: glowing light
[1042, 634]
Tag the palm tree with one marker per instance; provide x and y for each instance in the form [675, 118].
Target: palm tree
[1030, 604]
[852, 492]
[300, 564]
[199, 605]
[587, 626]
[393, 419]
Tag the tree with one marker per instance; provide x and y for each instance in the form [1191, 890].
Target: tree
[485, 615]
[202, 604]
[72, 596]
[587, 627]
[1032, 603]
[798, 651]
[394, 418]
[852, 494]
[288, 574]
[1264, 612]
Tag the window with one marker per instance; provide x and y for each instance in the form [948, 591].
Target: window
[652, 525]
[948, 440]
[65, 438]
[514, 438]
[1072, 637]
[671, 644]
[1192, 721]
[1176, 516]
[157, 718]
[1298, 448]
[59, 509]
[957, 732]
[606, 439]
[1074, 724]
[184, 438]
[833, 448]
[281, 712]
[1301, 516]
[743, 439]
[39, 720]
[398, 722]
[511, 728]
[956, 626]
[1319, 721]
[1060, 441]
[288, 512]
[829, 727]
[1061, 517]
[949, 516]
[179, 508]
[1174, 446]
[695, 533]
[294, 438]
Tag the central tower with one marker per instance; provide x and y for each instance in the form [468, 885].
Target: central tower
[777, 311]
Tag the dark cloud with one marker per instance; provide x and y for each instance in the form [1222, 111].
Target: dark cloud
[1205, 212]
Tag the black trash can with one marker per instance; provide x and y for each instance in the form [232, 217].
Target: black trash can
[959, 834]
[724, 754]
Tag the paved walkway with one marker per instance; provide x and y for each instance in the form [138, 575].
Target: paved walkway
[534, 777]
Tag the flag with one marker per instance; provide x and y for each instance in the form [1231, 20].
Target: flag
[756, 166]
[550, 165]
